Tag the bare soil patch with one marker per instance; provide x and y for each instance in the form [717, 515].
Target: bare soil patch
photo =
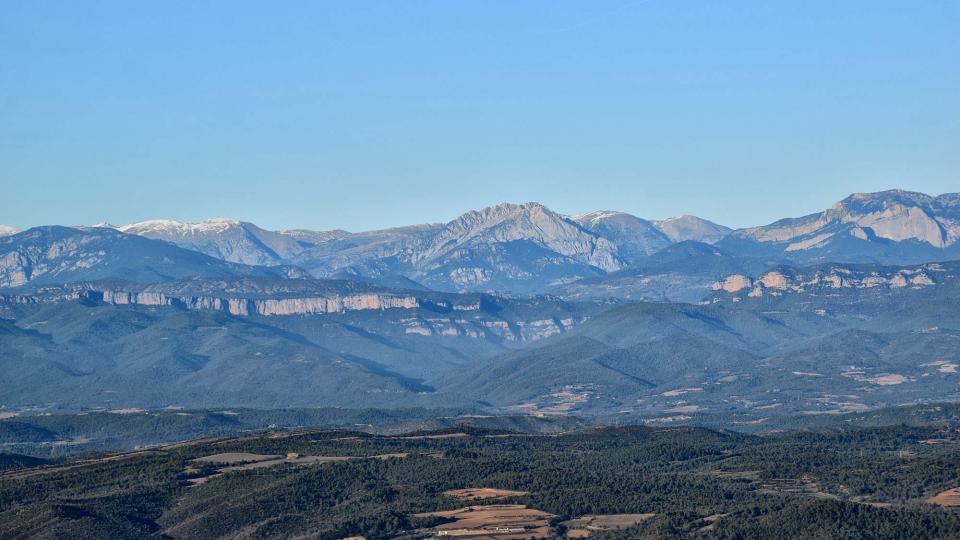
[476, 494]
[230, 458]
[583, 527]
[496, 521]
[950, 497]
[440, 436]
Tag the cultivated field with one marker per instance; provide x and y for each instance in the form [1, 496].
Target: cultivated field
[500, 521]
[583, 527]
[476, 494]
[950, 497]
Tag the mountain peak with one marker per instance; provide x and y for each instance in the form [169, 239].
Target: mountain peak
[689, 227]
[6, 230]
[508, 208]
[224, 238]
[868, 219]
[599, 215]
[170, 226]
[494, 215]
[633, 236]
[877, 201]
[532, 222]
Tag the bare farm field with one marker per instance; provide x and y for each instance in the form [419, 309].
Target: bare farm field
[950, 497]
[583, 527]
[476, 494]
[498, 521]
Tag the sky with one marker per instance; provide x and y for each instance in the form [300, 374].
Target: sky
[362, 115]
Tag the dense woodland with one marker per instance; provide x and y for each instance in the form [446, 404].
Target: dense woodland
[862, 483]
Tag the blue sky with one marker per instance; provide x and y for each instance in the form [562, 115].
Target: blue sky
[361, 115]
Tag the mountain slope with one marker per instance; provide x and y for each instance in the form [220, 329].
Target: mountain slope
[254, 341]
[6, 230]
[525, 222]
[624, 354]
[230, 240]
[894, 227]
[633, 237]
[520, 248]
[681, 272]
[47, 255]
[106, 356]
[829, 338]
[527, 248]
[683, 228]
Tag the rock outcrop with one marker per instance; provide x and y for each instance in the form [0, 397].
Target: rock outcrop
[265, 307]
[833, 277]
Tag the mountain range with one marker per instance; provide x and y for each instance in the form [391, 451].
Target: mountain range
[509, 307]
[529, 249]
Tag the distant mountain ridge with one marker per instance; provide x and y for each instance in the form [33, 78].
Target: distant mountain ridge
[893, 226]
[513, 247]
[54, 255]
[227, 239]
[601, 312]
[530, 249]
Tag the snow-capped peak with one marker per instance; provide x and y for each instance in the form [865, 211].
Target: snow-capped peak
[169, 226]
[596, 216]
[6, 230]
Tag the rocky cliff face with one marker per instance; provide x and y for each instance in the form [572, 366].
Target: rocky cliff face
[834, 277]
[426, 317]
[880, 219]
[265, 307]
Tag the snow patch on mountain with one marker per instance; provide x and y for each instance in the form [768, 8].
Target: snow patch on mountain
[228, 239]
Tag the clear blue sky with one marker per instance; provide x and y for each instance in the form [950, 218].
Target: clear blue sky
[370, 114]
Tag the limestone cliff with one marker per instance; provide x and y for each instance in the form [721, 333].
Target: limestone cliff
[832, 277]
[265, 307]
